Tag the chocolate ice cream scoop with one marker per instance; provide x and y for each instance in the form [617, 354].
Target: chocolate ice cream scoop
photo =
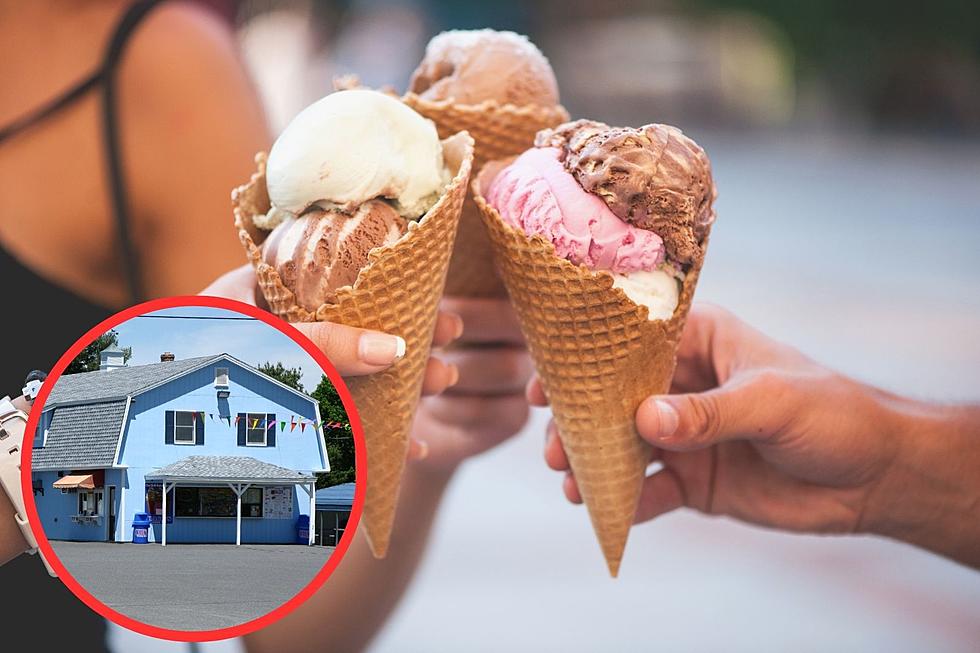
[471, 66]
[653, 177]
[321, 251]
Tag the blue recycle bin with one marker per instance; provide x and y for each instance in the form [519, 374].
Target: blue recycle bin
[303, 529]
[141, 528]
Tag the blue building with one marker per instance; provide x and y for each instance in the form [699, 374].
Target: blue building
[333, 508]
[212, 449]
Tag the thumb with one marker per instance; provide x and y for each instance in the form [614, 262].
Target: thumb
[353, 351]
[756, 409]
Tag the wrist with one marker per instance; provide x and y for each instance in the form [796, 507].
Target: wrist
[929, 494]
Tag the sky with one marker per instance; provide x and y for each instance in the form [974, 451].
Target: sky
[247, 339]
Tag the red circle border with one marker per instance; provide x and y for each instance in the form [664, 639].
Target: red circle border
[360, 466]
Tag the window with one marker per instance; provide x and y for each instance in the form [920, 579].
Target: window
[184, 427]
[221, 376]
[255, 430]
[90, 503]
[252, 502]
[216, 502]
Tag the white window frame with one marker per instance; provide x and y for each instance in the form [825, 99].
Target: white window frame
[193, 427]
[262, 417]
[97, 495]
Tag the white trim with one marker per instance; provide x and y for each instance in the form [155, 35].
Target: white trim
[123, 479]
[193, 427]
[61, 468]
[222, 481]
[264, 429]
[211, 361]
[321, 441]
[122, 431]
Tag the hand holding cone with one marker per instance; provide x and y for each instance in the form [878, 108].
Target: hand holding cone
[598, 356]
[398, 293]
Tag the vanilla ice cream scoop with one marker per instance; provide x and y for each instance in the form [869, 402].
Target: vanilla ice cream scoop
[351, 147]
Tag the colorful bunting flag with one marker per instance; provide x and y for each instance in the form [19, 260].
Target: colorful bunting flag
[255, 423]
[292, 423]
[237, 418]
[282, 425]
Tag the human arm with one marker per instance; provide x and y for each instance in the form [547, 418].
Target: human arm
[484, 408]
[191, 124]
[755, 430]
[12, 542]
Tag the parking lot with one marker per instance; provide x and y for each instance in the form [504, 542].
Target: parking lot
[192, 586]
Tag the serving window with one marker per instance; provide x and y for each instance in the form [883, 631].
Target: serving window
[193, 501]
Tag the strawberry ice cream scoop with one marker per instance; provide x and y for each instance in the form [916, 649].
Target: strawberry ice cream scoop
[538, 196]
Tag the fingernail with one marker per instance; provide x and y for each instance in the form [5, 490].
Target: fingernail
[376, 348]
[423, 450]
[453, 376]
[457, 327]
[669, 419]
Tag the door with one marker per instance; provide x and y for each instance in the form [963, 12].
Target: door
[112, 514]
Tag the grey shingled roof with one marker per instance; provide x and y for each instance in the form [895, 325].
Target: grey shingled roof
[120, 382]
[81, 436]
[335, 497]
[228, 468]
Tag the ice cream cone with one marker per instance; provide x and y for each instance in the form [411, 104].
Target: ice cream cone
[598, 357]
[499, 131]
[397, 292]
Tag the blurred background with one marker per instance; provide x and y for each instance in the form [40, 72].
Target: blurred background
[845, 137]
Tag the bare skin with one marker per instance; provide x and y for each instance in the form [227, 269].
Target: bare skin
[484, 408]
[12, 542]
[190, 126]
[755, 430]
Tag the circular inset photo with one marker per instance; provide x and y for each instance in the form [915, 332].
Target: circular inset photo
[196, 470]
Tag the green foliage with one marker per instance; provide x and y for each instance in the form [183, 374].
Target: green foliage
[340, 442]
[88, 359]
[289, 375]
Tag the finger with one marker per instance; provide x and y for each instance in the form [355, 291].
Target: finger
[753, 407]
[354, 352]
[449, 327]
[487, 320]
[490, 370]
[535, 393]
[661, 493]
[238, 284]
[570, 487]
[554, 452]
[438, 377]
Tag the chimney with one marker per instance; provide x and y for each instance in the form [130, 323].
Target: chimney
[167, 357]
[111, 358]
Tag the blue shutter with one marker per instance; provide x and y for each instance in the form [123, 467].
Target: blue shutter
[242, 419]
[168, 429]
[270, 435]
[199, 430]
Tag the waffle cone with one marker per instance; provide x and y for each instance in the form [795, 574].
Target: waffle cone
[500, 131]
[397, 292]
[598, 357]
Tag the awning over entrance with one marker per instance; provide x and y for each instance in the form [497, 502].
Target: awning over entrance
[237, 472]
[84, 481]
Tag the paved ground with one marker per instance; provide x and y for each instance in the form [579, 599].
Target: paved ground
[192, 586]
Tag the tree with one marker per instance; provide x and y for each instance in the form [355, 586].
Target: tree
[289, 375]
[340, 442]
[88, 360]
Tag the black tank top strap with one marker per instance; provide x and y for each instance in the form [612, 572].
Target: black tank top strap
[106, 77]
[50, 108]
[110, 125]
